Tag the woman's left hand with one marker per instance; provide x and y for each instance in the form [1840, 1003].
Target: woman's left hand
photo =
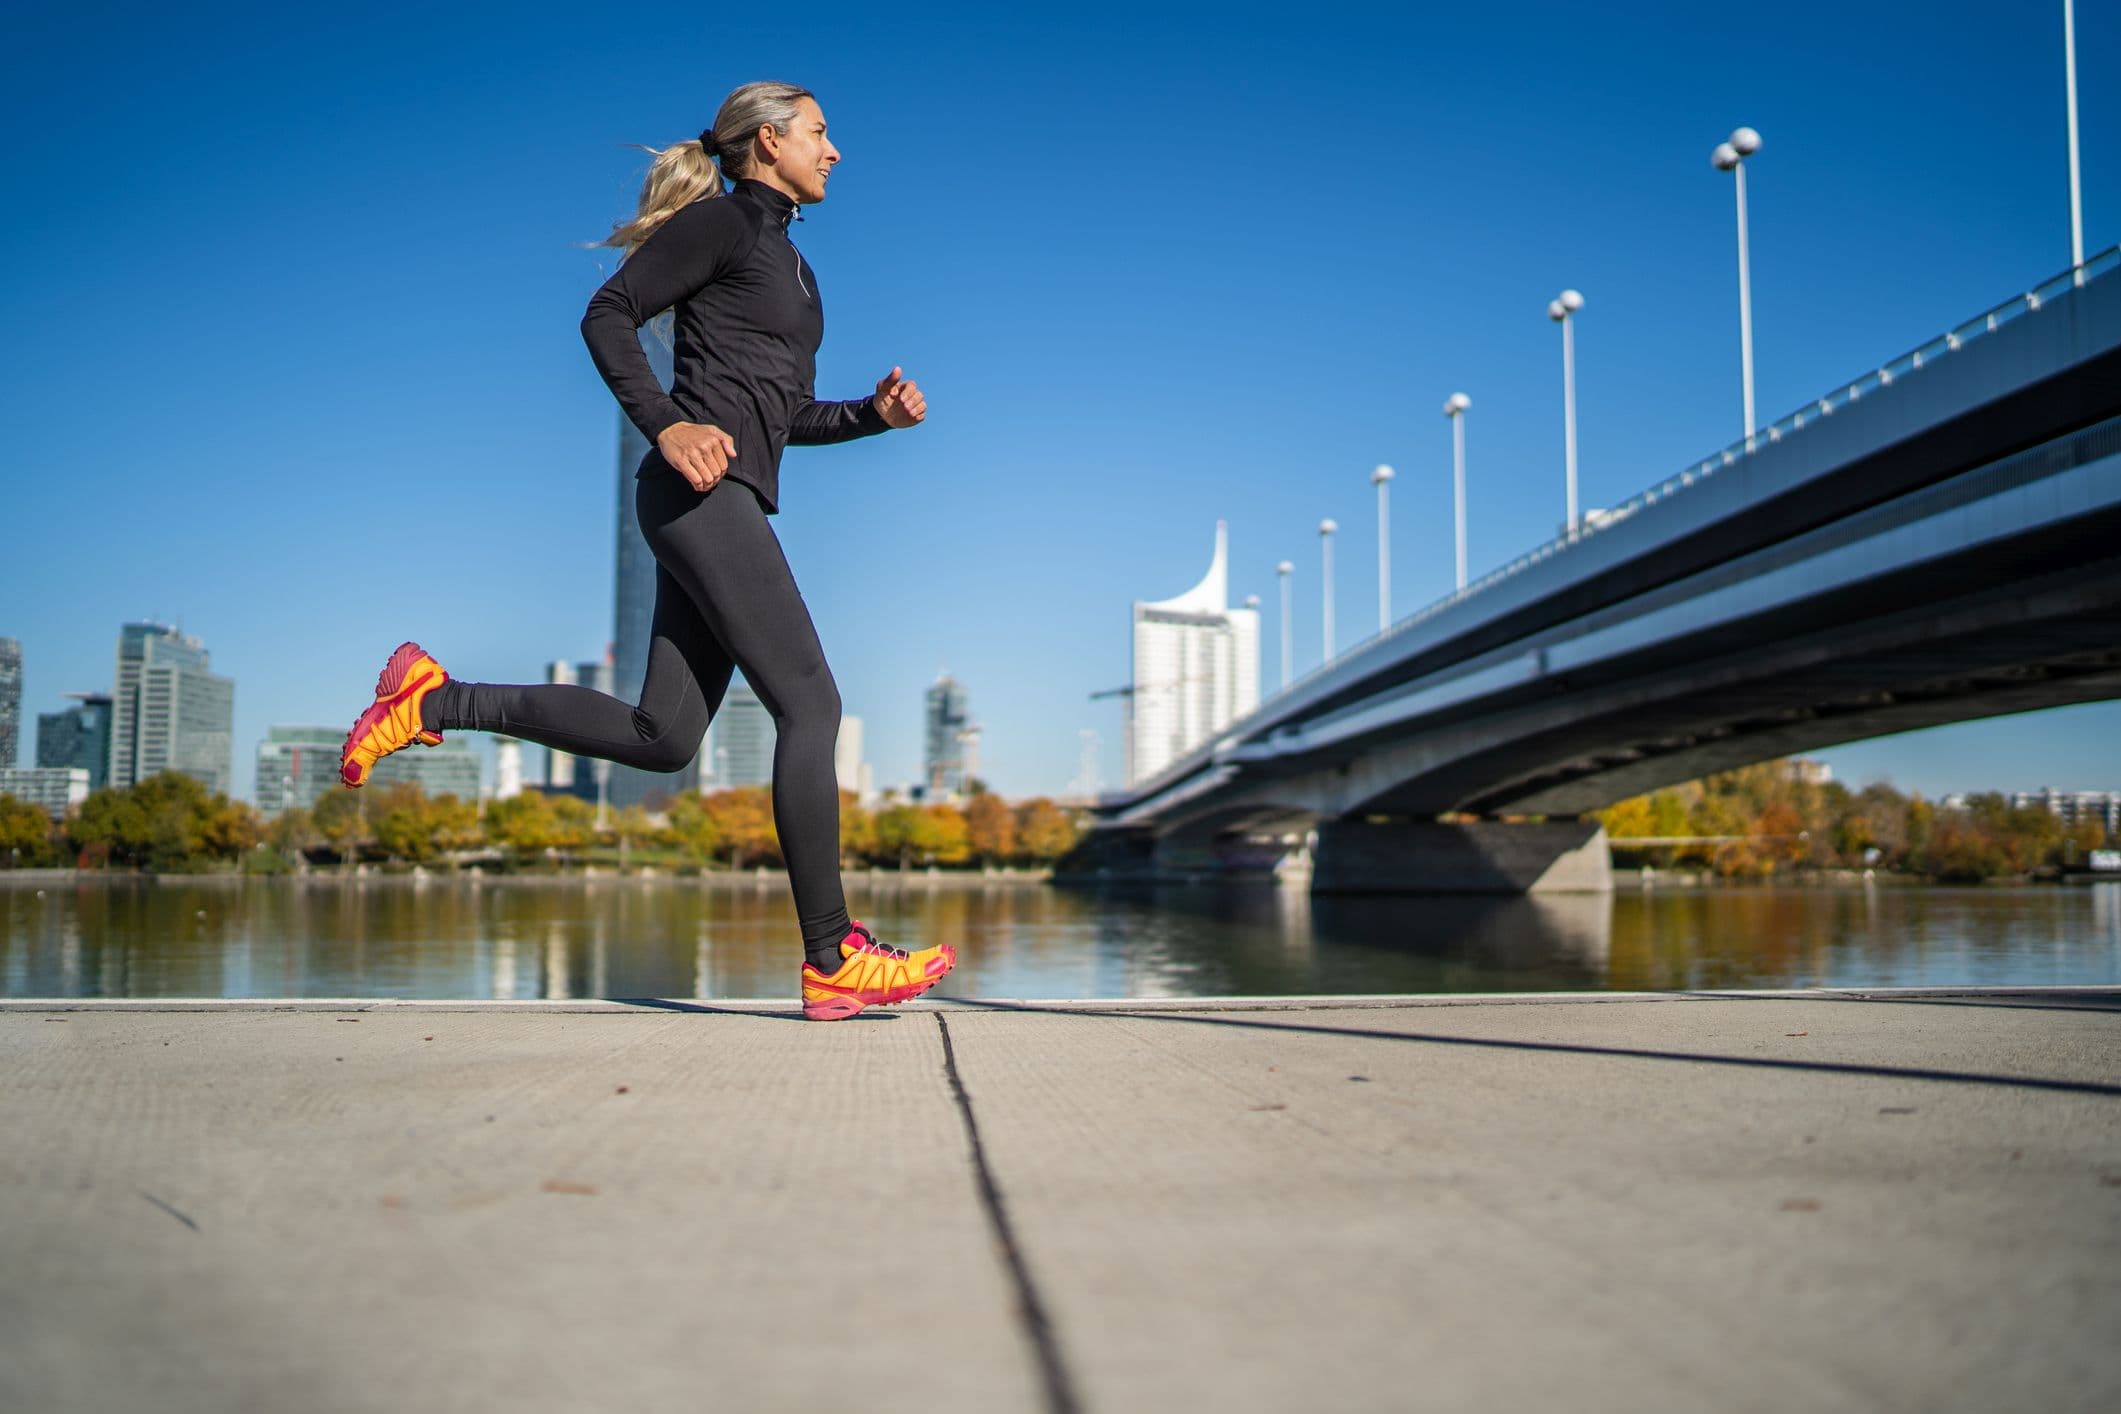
[898, 401]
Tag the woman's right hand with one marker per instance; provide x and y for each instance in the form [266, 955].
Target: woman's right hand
[699, 451]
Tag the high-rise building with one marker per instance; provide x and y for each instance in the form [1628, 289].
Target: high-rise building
[948, 718]
[10, 701]
[55, 789]
[633, 598]
[2073, 806]
[168, 711]
[78, 737]
[507, 768]
[559, 765]
[847, 754]
[588, 777]
[1196, 668]
[743, 739]
[296, 765]
[452, 768]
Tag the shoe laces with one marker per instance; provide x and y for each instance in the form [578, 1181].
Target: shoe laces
[870, 944]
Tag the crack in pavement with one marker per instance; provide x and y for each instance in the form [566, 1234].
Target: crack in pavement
[1038, 1326]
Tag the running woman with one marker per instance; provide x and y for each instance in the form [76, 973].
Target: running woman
[747, 325]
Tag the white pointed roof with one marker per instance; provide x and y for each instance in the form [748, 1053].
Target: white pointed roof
[1212, 594]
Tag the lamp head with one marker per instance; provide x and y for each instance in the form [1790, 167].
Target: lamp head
[1381, 475]
[1328, 526]
[1571, 301]
[1251, 601]
[1456, 404]
[1725, 157]
[1555, 311]
[1745, 141]
[1285, 567]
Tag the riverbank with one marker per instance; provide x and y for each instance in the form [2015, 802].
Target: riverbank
[1753, 1201]
[368, 873]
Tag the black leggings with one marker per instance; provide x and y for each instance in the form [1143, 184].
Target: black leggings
[724, 598]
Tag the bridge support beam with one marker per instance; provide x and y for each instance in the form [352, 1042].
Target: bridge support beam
[1483, 857]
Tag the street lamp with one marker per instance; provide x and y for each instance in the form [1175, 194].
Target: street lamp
[1454, 408]
[2076, 196]
[1381, 478]
[1562, 311]
[1284, 570]
[1730, 156]
[1325, 540]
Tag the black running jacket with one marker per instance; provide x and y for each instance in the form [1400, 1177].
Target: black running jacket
[747, 325]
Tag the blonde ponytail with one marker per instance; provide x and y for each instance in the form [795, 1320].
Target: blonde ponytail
[681, 174]
[689, 171]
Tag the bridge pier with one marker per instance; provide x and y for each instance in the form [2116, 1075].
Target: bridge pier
[1481, 857]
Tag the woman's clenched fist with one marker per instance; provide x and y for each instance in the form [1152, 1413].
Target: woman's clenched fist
[700, 452]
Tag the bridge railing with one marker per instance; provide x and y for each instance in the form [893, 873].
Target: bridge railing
[1789, 424]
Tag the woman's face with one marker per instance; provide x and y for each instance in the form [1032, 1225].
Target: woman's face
[803, 156]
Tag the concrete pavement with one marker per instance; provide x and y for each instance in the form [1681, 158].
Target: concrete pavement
[1736, 1201]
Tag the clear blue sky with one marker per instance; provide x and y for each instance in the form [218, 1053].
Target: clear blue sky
[291, 295]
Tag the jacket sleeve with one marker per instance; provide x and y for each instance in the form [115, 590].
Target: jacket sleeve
[815, 422]
[692, 248]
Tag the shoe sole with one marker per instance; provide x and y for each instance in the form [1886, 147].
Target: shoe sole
[391, 688]
[840, 1007]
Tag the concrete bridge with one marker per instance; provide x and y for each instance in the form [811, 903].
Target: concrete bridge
[1936, 542]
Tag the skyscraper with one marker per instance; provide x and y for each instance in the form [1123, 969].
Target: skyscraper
[453, 768]
[168, 711]
[633, 599]
[10, 701]
[847, 754]
[744, 737]
[949, 718]
[507, 768]
[1196, 668]
[559, 765]
[78, 737]
[296, 765]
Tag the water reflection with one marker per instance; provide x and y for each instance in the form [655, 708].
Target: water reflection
[557, 939]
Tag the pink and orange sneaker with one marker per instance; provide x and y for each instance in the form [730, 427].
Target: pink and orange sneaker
[872, 974]
[393, 721]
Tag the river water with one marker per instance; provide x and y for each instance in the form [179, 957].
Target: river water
[525, 938]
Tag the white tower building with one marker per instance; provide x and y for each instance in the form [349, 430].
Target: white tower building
[507, 768]
[847, 755]
[1196, 668]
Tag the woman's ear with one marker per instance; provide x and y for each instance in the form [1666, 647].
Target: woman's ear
[770, 141]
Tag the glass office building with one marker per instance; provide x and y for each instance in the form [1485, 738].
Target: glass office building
[169, 712]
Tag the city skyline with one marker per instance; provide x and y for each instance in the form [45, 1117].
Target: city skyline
[986, 539]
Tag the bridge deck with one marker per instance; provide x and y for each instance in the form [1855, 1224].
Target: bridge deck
[1772, 1202]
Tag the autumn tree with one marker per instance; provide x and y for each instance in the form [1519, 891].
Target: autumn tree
[341, 819]
[693, 829]
[1044, 831]
[743, 825]
[524, 824]
[27, 837]
[857, 828]
[991, 828]
[941, 835]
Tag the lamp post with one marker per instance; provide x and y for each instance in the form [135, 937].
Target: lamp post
[2076, 195]
[1562, 311]
[1325, 540]
[1730, 156]
[1283, 571]
[1381, 478]
[1454, 408]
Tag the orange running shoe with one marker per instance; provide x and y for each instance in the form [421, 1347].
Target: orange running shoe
[393, 721]
[872, 975]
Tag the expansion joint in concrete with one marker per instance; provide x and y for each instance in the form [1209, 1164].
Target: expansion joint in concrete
[1038, 1326]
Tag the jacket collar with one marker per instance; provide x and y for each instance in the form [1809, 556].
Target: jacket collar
[778, 204]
